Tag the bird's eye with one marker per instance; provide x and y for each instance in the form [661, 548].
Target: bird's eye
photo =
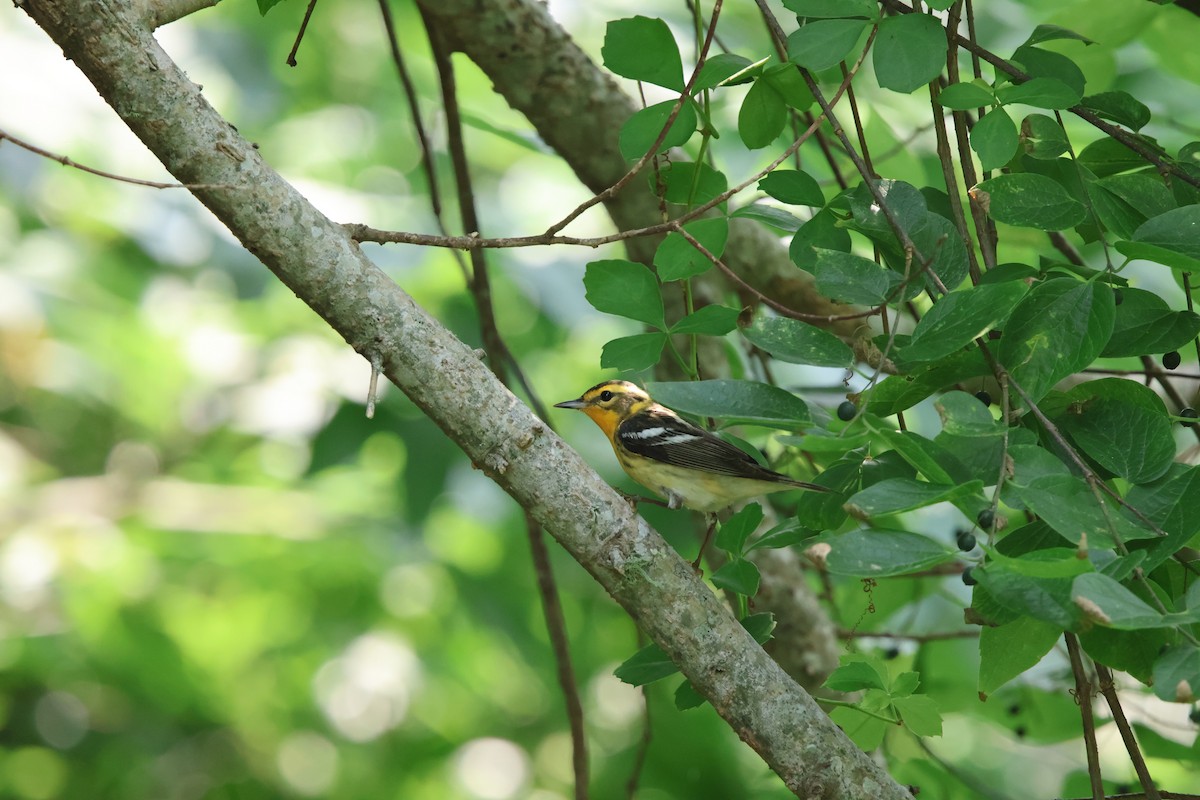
[605, 396]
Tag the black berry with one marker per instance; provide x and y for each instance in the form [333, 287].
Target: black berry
[1118, 297]
[968, 578]
[1189, 413]
[984, 398]
[890, 653]
[966, 541]
[846, 411]
[986, 519]
[1194, 715]
[994, 335]
[1171, 360]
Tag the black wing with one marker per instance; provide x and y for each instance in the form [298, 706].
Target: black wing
[673, 440]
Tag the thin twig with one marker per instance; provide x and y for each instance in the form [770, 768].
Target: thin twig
[1083, 696]
[308, 12]
[643, 748]
[935, 636]
[556, 626]
[68, 162]
[410, 93]
[1131, 746]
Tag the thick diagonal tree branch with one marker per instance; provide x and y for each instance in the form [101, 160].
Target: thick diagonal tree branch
[315, 257]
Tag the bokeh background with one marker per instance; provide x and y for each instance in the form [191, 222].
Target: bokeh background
[219, 579]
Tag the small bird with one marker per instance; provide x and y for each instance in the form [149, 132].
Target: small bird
[683, 463]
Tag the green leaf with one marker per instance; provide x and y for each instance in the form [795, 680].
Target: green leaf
[760, 626]
[686, 697]
[769, 215]
[1046, 33]
[787, 80]
[798, 342]
[735, 401]
[1122, 425]
[1045, 599]
[856, 676]
[719, 68]
[1115, 212]
[824, 43]
[1009, 650]
[848, 278]
[1040, 63]
[736, 530]
[1107, 602]
[1057, 329]
[762, 116]
[1172, 239]
[910, 51]
[822, 231]
[1128, 651]
[266, 5]
[1155, 745]
[833, 9]
[794, 187]
[785, 534]
[739, 576]
[1146, 195]
[940, 244]
[1146, 324]
[959, 318]
[677, 259]
[922, 454]
[641, 130]
[994, 139]
[1043, 138]
[633, 353]
[1120, 107]
[626, 289]
[682, 185]
[920, 714]
[1107, 156]
[1028, 200]
[1065, 503]
[883, 553]
[643, 49]
[711, 320]
[646, 666]
[899, 392]
[894, 495]
[966, 97]
[904, 200]
[1170, 503]
[1177, 674]
[1039, 92]
[970, 432]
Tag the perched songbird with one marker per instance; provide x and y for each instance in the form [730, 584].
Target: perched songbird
[662, 451]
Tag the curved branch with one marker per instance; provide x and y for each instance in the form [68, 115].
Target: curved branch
[315, 257]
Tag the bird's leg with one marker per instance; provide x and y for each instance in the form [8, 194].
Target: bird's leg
[636, 499]
[712, 525]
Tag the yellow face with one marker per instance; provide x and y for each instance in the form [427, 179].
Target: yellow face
[608, 403]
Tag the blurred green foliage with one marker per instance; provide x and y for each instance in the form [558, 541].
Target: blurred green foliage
[219, 579]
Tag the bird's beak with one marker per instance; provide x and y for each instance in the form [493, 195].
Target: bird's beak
[577, 403]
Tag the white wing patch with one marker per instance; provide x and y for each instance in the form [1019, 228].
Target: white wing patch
[660, 436]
